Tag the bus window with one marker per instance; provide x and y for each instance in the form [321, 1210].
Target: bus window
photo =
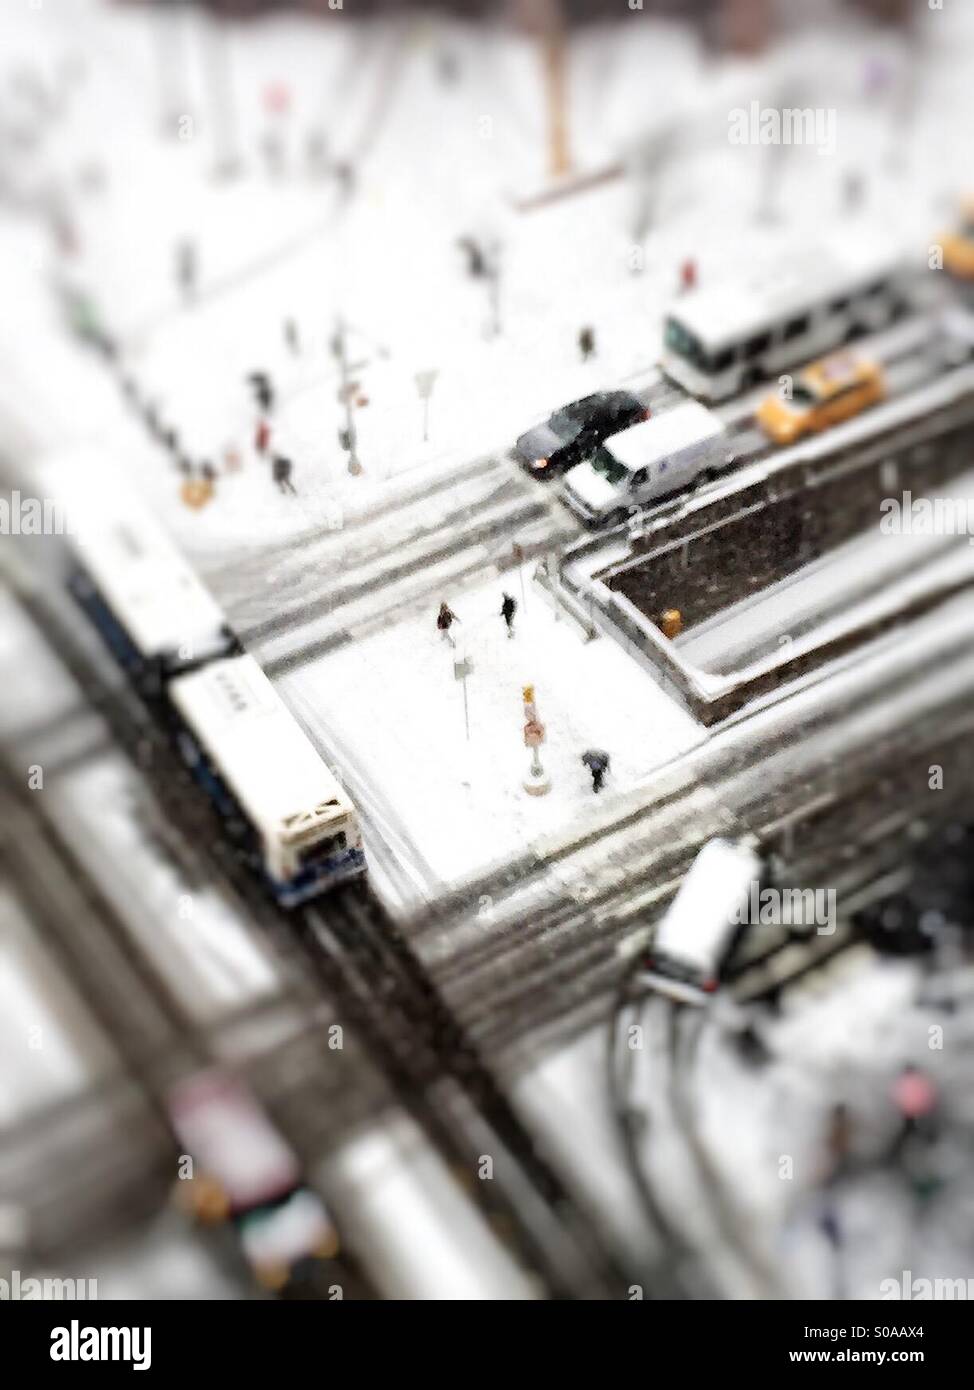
[721, 360]
[794, 328]
[758, 345]
[839, 306]
[639, 478]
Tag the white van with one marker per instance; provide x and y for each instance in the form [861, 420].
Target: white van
[693, 940]
[644, 462]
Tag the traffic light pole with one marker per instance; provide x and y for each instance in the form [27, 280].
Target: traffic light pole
[346, 436]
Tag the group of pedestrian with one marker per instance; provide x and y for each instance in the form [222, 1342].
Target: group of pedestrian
[260, 383]
[595, 759]
[446, 617]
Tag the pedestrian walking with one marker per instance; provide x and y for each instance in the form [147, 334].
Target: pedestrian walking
[586, 342]
[508, 609]
[853, 190]
[262, 436]
[448, 66]
[272, 148]
[444, 621]
[281, 469]
[316, 151]
[65, 236]
[597, 763]
[345, 177]
[263, 390]
[186, 268]
[291, 336]
[476, 260]
[688, 275]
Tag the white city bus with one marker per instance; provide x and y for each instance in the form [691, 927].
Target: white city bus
[266, 777]
[721, 341]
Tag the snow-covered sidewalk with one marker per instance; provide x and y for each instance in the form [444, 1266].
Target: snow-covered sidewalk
[396, 699]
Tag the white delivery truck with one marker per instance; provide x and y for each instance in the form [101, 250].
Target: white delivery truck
[647, 461]
[695, 936]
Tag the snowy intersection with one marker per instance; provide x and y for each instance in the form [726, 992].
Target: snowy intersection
[396, 699]
[336, 588]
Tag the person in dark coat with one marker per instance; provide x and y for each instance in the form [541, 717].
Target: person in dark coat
[586, 342]
[186, 268]
[597, 763]
[476, 260]
[281, 472]
[445, 619]
[508, 609]
[263, 390]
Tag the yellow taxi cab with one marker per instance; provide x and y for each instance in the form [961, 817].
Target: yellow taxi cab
[958, 246]
[822, 394]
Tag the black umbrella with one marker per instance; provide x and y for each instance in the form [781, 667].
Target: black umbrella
[595, 760]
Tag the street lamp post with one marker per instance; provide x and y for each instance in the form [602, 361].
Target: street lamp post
[347, 435]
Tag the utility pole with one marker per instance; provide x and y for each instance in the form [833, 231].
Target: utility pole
[424, 385]
[461, 670]
[556, 79]
[494, 288]
[167, 25]
[346, 436]
[214, 40]
[545, 20]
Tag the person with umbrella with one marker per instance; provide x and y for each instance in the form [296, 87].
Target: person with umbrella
[597, 763]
